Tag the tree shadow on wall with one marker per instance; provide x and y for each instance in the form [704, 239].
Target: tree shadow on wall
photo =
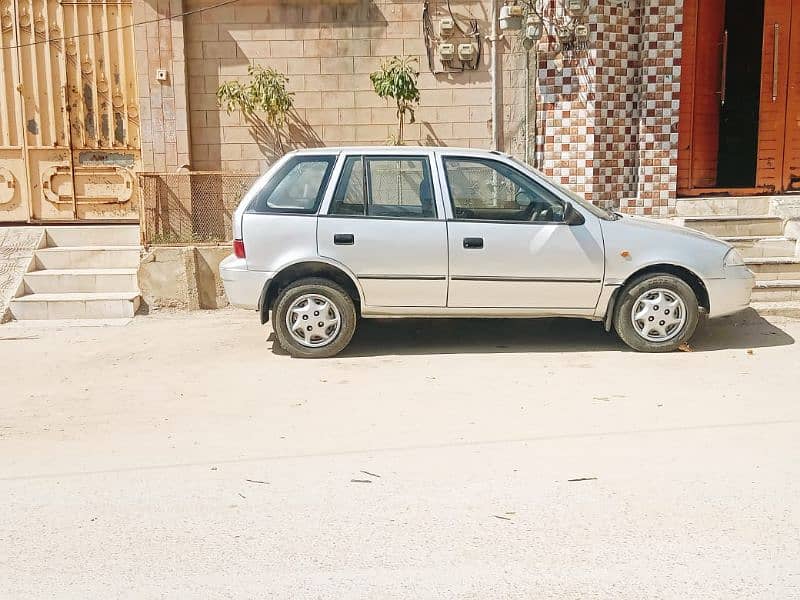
[295, 135]
[224, 41]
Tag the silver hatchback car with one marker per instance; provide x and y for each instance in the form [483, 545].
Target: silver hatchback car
[331, 234]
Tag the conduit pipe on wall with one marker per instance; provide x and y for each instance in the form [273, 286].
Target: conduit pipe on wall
[494, 39]
[527, 104]
[531, 103]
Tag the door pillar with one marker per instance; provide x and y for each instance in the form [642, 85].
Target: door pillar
[161, 73]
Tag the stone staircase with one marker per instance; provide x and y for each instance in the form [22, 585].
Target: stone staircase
[83, 272]
[767, 242]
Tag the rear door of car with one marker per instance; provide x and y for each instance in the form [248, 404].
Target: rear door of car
[279, 223]
[385, 222]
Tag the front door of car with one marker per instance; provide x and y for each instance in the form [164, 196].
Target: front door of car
[383, 223]
[509, 245]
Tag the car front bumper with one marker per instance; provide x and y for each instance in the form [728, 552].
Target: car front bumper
[242, 287]
[732, 293]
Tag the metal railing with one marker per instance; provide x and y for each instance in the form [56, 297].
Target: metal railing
[190, 207]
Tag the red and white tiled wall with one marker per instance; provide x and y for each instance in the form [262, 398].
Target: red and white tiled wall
[607, 115]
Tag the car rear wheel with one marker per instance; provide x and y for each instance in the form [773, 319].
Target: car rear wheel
[657, 313]
[314, 318]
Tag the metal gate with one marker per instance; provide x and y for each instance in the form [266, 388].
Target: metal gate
[69, 118]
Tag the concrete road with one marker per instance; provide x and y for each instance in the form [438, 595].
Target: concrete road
[181, 457]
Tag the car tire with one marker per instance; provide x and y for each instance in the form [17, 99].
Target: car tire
[306, 299]
[656, 313]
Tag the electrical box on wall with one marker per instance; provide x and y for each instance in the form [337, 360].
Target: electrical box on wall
[510, 17]
[447, 51]
[466, 52]
[161, 74]
[446, 27]
[534, 28]
[576, 7]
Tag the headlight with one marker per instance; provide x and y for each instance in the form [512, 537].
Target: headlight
[733, 259]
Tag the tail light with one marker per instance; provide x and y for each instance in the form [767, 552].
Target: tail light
[238, 248]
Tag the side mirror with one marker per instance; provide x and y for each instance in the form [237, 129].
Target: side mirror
[572, 216]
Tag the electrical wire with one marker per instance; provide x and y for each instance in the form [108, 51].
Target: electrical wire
[452, 16]
[429, 33]
[118, 28]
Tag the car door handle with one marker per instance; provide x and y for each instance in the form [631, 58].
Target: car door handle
[344, 239]
[471, 243]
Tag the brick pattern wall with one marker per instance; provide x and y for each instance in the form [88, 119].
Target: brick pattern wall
[659, 93]
[608, 115]
[603, 118]
[616, 39]
[164, 122]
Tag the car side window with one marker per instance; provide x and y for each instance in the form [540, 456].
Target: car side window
[489, 190]
[349, 197]
[297, 187]
[385, 187]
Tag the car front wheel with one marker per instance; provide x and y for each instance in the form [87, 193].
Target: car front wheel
[314, 318]
[657, 313]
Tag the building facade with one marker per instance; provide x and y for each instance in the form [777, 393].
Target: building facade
[600, 118]
[661, 98]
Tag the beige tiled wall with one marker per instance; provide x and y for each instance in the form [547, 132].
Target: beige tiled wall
[328, 52]
[164, 117]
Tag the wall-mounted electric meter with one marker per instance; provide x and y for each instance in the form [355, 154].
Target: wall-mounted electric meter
[466, 52]
[447, 51]
[446, 26]
[581, 33]
[576, 7]
[510, 17]
[534, 28]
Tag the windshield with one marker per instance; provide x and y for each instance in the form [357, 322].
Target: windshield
[597, 211]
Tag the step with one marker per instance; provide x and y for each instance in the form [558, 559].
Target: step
[736, 226]
[776, 290]
[722, 206]
[98, 305]
[777, 309]
[774, 268]
[54, 281]
[759, 246]
[89, 257]
[92, 235]
[63, 323]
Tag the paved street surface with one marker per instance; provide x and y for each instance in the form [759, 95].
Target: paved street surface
[181, 457]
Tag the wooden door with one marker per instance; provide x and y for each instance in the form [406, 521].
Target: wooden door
[773, 103]
[778, 148]
[698, 125]
[791, 147]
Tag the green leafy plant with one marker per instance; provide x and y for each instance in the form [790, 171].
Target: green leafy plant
[265, 93]
[397, 79]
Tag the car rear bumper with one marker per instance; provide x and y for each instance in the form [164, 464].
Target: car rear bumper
[242, 287]
[731, 294]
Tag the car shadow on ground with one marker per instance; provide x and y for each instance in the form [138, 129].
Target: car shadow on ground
[378, 337]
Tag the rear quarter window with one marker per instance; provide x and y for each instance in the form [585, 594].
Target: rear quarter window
[298, 187]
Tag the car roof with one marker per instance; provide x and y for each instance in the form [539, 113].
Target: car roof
[394, 150]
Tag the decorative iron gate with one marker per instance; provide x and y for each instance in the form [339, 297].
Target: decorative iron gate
[69, 117]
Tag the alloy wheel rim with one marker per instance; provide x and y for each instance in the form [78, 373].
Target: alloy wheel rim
[658, 315]
[313, 320]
